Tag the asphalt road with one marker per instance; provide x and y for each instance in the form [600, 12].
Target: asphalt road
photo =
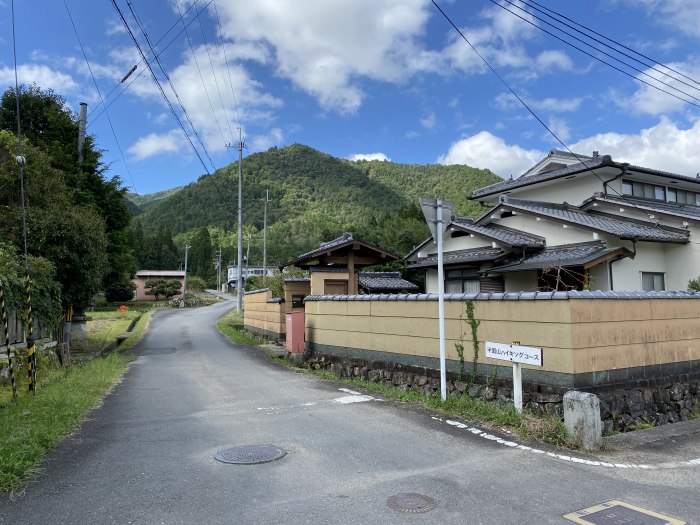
[147, 455]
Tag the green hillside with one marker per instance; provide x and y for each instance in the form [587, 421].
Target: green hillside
[315, 197]
[141, 203]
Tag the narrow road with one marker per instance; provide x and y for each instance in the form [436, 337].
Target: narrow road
[147, 455]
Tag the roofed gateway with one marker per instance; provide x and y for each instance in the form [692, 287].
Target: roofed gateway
[574, 222]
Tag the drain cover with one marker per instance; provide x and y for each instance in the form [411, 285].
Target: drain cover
[250, 454]
[411, 503]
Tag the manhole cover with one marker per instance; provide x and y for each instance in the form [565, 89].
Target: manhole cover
[250, 454]
[615, 511]
[411, 503]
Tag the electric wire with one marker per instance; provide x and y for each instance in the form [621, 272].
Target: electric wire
[170, 83]
[223, 47]
[20, 150]
[138, 75]
[172, 109]
[532, 112]
[199, 72]
[564, 17]
[495, 2]
[99, 93]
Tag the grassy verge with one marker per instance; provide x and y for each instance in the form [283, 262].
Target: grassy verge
[33, 424]
[504, 417]
[231, 325]
[106, 326]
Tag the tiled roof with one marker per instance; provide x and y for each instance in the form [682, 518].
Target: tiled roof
[509, 236]
[472, 255]
[385, 281]
[685, 211]
[581, 167]
[526, 180]
[624, 229]
[511, 296]
[563, 255]
[344, 240]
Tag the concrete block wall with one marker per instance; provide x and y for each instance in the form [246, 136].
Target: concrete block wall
[263, 314]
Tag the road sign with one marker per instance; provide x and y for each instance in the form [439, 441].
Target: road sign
[526, 355]
[516, 354]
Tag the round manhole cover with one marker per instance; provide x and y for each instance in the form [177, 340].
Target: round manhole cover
[411, 502]
[250, 454]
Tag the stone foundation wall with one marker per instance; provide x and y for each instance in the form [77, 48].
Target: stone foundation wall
[621, 410]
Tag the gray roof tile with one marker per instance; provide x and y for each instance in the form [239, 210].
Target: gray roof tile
[509, 236]
[563, 255]
[686, 211]
[385, 281]
[625, 229]
[472, 255]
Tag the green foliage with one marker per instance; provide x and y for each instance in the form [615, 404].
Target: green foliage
[120, 291]
[694, 285]
[315, 198]
[474, 326]
[201, 256]
[231, 325]
[195, 284]
[165, 287]
[156, 251]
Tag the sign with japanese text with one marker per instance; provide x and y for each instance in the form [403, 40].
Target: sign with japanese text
[527, 355]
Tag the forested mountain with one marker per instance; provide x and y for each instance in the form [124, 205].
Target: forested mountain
[314, 197]
[140, 203]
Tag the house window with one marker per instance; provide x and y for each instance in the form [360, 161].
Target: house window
[653, 282]
[465, 280]
[659, 193]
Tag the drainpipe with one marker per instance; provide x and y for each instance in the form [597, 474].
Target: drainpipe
[610, 268]
[622, 173]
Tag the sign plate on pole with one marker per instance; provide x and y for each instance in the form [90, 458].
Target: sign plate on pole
[526, 355]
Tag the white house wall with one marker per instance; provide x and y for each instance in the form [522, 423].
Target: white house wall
[599, 276]
[573, 191]
[683, 262]
[554, 232]
[627, 273]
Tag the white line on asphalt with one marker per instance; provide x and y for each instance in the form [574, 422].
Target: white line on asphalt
[354, 397]
[571, 459]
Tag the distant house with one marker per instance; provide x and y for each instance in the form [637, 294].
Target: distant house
[142, 276]
[250, 271]
[573, 223]
[334, 266]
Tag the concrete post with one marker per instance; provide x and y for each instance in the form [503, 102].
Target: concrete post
[582, 419]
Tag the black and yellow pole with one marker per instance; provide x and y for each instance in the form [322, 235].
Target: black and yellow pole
[31, 347]
[6, 339]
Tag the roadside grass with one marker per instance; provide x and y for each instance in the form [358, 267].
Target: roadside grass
[231, 325]
[107, 325]
[34, 423]
[494, 415]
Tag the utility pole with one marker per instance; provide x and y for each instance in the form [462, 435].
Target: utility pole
[218, 271]
[267, 199]
[239, 283]
[184, 286]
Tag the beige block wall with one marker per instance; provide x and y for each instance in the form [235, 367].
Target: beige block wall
[318, 280]
[577, 336]
[260, 314]
[292, 288]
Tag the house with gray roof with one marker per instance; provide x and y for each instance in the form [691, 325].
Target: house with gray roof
[574, 222]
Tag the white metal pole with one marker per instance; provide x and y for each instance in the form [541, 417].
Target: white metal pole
[267, 199]
[441, 301]
[517, 388]
[184, 285]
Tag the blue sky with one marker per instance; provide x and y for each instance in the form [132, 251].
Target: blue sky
[363, 78]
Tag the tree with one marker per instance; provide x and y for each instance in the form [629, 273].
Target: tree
[201, 256]
[166, 288]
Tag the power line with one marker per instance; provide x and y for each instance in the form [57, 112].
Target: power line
[223, 47]
[170, 83]
[138, 75]
[532, 112]
[598, 58]
[528, 2]
[116, 140]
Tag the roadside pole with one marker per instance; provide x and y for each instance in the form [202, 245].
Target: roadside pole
[517, 355]
[184, 284]
[438, 214]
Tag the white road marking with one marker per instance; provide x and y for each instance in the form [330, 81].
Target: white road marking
[354, 397]
[571, 459]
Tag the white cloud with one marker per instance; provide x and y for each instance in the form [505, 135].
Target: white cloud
[429, 121]
[368, 156]
[488, 151]
[506, 102]
[680, 15]
[560, 128]
[154, 144]
[664, 146]
[114, 27]
[324, 47]
[263, 142]
[43, 76]
[651, 101]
